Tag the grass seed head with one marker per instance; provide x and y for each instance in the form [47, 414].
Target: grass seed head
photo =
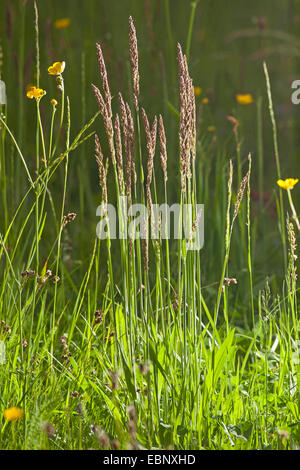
[103, 74]
[163, 148]
[134, 61]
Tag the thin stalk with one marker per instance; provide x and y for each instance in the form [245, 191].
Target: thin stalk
[60, 230]
[249, 246]
[190, 30]
[295, 216]
[276, 150]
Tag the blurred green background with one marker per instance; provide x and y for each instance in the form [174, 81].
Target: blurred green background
[229, 43]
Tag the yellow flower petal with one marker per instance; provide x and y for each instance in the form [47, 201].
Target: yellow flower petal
[39, 93]
[288, 183]
[62, 23]
[197, 91]
[244, 99]
[205, 101]
[34, 92]
[57, 68]
[11, 414]
[30, 94]
[211, 128]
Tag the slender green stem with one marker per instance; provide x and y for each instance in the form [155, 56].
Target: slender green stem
[58, 260]
[18, 150]
[276, 151]
[295, 216]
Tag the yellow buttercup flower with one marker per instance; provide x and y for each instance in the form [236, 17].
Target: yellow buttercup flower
[53, 102]
[244, 99]
[62, 23]
[289, 183]
[197, 91]
[57, 68]
[11, 414]
[211, 128]
[34, 92]
[205, 101]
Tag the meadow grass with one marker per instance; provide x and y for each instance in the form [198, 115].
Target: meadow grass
[114, 344]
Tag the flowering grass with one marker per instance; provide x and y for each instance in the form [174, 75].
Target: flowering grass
[115, 344]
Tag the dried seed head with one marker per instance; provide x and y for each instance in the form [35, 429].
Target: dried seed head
[292, 268]
[49, 429]
[28, 273]
[100, 100]
[132, 413]
[147, 131]
[63, 339]
[115, 444]
[80, 409]
[150, 141]
[114, 379]
[68, 218]
[134, 61]
[94, 428]
[103, 438]
[107, 119]
[240, 194]
[127, 144]
[163, 148]
[192, 117]
[154, 134]
[119, 155]
[98, 317]
[101, 168]
[187, 130]
[229, 280]
[123, 113]
[144, 369]
[131, 139]
[103, 74]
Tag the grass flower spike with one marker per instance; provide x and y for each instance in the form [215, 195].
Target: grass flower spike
[34, 92]
[57, 68]
[289, 183]
[11, 414]
[244, 99]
